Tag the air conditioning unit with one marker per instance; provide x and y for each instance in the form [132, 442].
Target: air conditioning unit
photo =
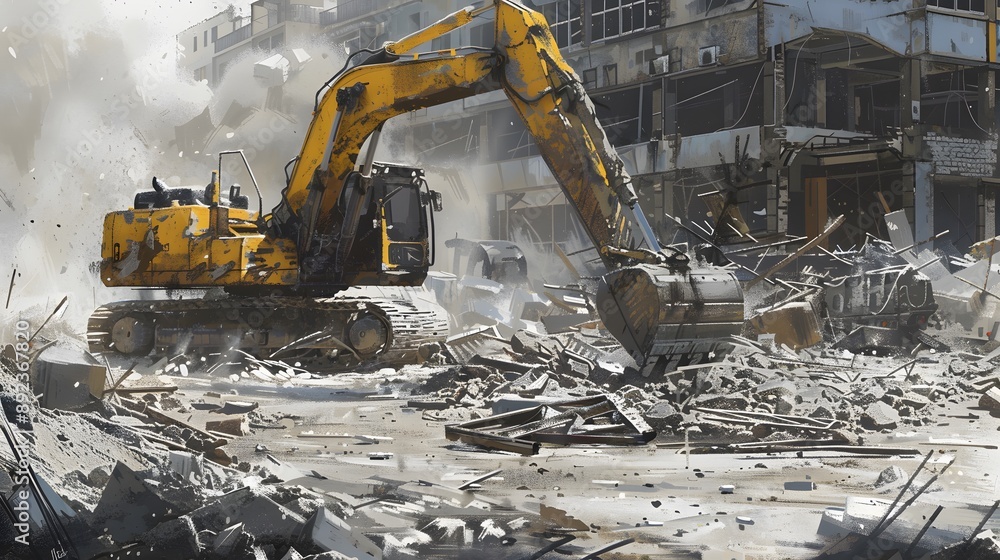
[708, 56]
[660, 65]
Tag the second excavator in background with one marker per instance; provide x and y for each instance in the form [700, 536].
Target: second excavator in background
[346, 220]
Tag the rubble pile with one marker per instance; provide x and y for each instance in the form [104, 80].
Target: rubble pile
[128, 476]
[757, 393]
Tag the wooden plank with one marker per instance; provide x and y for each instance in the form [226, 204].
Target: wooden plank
[801, 251]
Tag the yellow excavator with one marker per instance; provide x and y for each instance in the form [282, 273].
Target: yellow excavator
[345, 220]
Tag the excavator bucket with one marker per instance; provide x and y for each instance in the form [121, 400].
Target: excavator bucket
[668, 317]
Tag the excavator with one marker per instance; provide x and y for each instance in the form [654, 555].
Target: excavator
[345, 220]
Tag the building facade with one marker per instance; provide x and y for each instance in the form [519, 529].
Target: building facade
[799, 111]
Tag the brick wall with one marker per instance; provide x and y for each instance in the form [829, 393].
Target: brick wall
[966, 157]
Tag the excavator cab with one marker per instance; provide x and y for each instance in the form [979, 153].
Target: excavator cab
[394, 236]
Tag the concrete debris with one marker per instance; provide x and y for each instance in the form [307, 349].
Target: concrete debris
[983, 546]
[233, 426]
[991, 399]
[67, 379]
[889, 476]
[880, 416]
[608, 419]
[332, 534]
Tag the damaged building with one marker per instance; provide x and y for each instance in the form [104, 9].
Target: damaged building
[796, 112]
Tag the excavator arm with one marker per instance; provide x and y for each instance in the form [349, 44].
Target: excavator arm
[527, 66]
[320, 207]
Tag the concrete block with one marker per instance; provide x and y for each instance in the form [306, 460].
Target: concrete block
[187, 465]
[128, 506]
[329, 532]
[991, 399]
[880, 416]
[235, 426]
[776, 387]
[795, 325]
[272, 71]
[67, 379]
[297, 58]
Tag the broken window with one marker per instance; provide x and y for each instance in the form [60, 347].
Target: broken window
[976, 6]
[565, 21]
[538, 218]
[509, 139]
[950, 99]
[800, 90]
[612, 18]
[481, 35]
[877, 108]
[956, 209]
[627, 115]
[753, 203]
[610, 75]
[448, 140]
[590, 78]
[441, 43]
[717, 101]
[353, 44]
[710, 5]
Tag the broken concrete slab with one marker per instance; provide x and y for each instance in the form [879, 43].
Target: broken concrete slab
[333, 534]
[880, 416]
[129, 507]
[990, 400]
[172, 539]
[188, 465]
[261, 516]
[226, 540]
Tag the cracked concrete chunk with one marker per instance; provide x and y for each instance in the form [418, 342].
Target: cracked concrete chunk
[991, 399]
[890, 475]
[880, 416]
[173, 539]
[329, 532]
[128, 507]
[261, 516]
[234, 426]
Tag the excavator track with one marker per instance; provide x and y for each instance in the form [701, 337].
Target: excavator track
[357, 329]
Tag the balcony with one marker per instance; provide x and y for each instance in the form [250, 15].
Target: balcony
[301, 14]
[351, 9]
[241, 34]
